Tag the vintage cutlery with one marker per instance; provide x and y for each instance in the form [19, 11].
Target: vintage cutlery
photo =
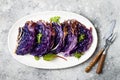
[109, 41]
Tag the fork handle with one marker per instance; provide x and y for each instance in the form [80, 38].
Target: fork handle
[100, 64]
[94, 61]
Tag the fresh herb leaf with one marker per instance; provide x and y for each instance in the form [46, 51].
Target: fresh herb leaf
[39, 36]
[78, 55]
[49, 57]
[55, 19]
[81, 37]
[37, 58]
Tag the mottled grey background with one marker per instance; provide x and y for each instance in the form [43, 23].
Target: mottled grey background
[100, 12]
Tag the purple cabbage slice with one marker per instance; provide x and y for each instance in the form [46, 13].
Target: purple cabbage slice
[65, 33]
[71, 37]
[83, 45]
[26, 38]
[58, 38]
[52, 31]
[42, 48]
[86, 43]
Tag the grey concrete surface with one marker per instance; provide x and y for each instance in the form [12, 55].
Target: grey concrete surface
[100, 12]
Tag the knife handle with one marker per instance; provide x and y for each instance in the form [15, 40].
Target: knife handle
[94, 61]
[100, 64]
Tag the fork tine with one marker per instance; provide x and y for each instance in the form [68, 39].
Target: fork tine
[114, 37]
[111, 35]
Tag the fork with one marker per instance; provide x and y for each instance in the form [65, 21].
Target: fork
[102, 54]
[109, 41]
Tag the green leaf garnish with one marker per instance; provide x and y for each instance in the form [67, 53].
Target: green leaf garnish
[78, 55]
[55, 19]
[49, 57]
[37, 58]
[81, 37]
[39, 36]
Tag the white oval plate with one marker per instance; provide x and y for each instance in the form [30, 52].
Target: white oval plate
[58, 63]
